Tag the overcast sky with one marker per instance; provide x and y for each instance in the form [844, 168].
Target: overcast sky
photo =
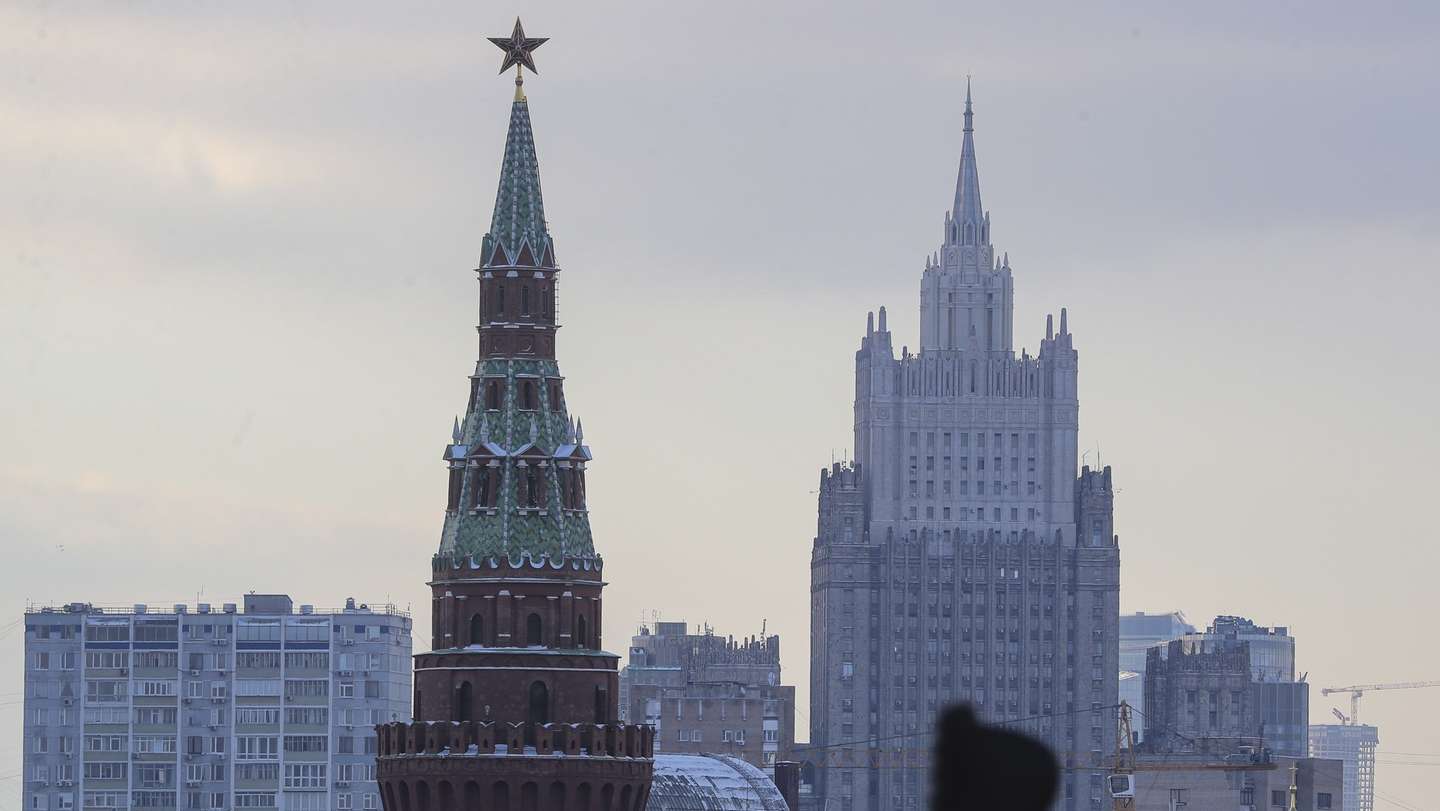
[236, 305]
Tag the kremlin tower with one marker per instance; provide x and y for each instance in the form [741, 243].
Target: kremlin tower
[515, 703]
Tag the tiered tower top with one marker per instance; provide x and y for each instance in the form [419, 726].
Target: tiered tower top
[517, 458]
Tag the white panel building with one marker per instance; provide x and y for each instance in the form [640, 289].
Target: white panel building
[210, 707]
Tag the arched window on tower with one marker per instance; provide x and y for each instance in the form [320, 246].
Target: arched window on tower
[539, 703]
[463, 703]
[529, 394]
[481, 488]
[525, 300]
[477, 629]
[532, 488]
[494, 394]
[547, 295]
[457, 483]
[582, 636]
[534, 630]
[602, 705]
[500, 299]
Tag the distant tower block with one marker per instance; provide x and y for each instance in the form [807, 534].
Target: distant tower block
[963, 557]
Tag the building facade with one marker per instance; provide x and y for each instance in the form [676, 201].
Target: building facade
[256, 705]
[515, 702]
[708, 694]
[1138, 633]
[1282, 704]
[1272, 650]
[1354, 746]
[960, 558]
[1198, 697]
[1203, 783]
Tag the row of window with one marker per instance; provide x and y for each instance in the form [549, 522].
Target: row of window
[531, 486]
[526, 391]
[947, 440]
[495, 302]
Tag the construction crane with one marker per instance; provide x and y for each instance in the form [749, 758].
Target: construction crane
[1357, 690]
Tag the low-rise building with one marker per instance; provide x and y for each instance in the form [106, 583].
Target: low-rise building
[707, 694]
[1201, 782]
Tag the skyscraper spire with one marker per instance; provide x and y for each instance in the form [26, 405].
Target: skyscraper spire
[968, 214]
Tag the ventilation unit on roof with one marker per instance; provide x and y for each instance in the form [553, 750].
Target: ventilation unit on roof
[203, 608]
[307, 609]
[139, 608]
[179, 608]
[229, 608]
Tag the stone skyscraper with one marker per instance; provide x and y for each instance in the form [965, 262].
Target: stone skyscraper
[959, 558]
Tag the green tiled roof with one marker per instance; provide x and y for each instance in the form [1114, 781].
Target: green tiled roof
[508, 530]
[519, 207]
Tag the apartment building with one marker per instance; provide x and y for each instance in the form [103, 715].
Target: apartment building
[256, 705]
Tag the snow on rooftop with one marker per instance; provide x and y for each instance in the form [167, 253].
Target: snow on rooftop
[711, 783]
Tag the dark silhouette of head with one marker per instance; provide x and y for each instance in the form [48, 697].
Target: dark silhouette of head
[979, 767]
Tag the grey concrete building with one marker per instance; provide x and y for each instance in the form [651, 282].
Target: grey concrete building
[960, 558]
[1198, 698]
[1281, 703]
[210, 707]
[1138, 633]
[1272, 650]
[1206, 783]
[708, 694]
[1354, 746]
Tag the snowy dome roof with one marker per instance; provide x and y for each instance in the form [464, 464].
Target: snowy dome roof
[711, 783]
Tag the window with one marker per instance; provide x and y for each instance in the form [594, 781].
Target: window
[256, 687]
[257, 747]
[307, 631]
[258, 630]
[1323, 800]
[306, 688]
[1277, 798]
[310, 716]
[257, 715]
[99, 659]
[306, 743]
[529, 394]
[304, 775]
[155, 687]
[257, 771]
[494, 394]
[154, 744]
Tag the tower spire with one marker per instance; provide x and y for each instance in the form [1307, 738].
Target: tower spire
[968, 215]
[510, 493]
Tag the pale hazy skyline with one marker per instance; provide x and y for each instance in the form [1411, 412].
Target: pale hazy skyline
[236, 310]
